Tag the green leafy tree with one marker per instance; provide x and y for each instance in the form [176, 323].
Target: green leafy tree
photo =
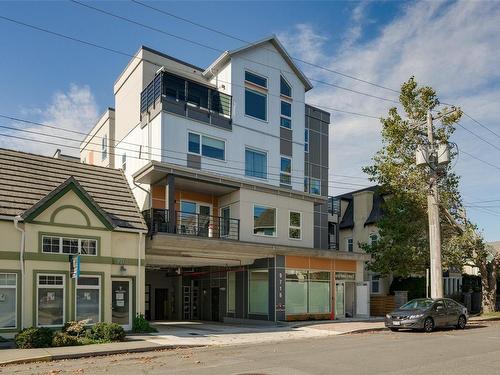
[403, 248]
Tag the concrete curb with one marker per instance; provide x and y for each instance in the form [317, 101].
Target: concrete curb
[55, 357]
[364, 330]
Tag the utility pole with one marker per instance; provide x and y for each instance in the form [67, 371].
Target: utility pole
[433, 213]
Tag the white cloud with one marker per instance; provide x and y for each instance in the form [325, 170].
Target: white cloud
[75, 109]
[453, 47]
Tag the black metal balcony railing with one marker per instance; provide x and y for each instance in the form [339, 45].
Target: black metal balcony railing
[333, 206]
[188, 98]
[191, 224]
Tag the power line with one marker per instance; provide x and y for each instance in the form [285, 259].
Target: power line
[199, 44]
[480, 160]
[156, 64]
[482, 125]
[297, 179]
[114, 141]
[478, 136]
[247, 42]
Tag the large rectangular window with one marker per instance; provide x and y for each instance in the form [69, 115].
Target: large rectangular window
[350, 245]
[295, 225]
[264, 221]
[286, 171]
[231, 291]
[67, 245]
[50, 308]
[319, 292]
[307, 292]
[255, 163]
[256, 104]
[258, 296]
[206, 146]
[8, 300]
[198, 95]
[286, 115]
[296, 292]
[88, 299]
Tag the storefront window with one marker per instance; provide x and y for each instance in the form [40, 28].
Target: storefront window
[231, 291]
[307, 292]
[50, 300]
[8, 300]
[296, 292]
[258, 292]
[88, 306]
[319, 292]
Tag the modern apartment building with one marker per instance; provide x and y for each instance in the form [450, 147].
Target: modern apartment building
[230, 167]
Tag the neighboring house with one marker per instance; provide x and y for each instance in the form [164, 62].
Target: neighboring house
[55, 208]
[98, 146]
[231, 169]
[358, 213]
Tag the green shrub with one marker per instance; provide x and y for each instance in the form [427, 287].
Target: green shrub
[107, 332]
[64, 339]
[34, 337]
[414, 285]
[141, 325]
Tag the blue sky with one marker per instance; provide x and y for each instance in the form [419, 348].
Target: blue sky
[452, 46]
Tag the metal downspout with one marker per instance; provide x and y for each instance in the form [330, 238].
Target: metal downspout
[21, 260]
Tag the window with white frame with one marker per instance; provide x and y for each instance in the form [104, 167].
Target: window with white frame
[375, 284]
[255, 163]
[349, 245]
[306, 140]
[88, 299]
[295, 225]
[8, 300]
[264, 221]
[286, 171]
[68, 245]
[206, 146]
[50, 307]
[256, 97]
[373, 239]
[124, 162]
[104, 147]
[286, 114]
[315, 186]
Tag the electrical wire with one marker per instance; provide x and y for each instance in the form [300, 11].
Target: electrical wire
[159, 65]
[199, 44]
[250, 43]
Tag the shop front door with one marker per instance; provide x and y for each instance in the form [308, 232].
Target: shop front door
[121, 303]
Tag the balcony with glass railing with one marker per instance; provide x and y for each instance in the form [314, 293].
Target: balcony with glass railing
[184, 97]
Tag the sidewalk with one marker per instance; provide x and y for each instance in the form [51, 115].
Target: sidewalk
[175, 335]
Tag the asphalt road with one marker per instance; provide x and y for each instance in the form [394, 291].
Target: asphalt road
[473, 351]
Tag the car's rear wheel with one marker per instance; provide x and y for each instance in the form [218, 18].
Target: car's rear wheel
[428, 325]
[394, 329]
[462, 321]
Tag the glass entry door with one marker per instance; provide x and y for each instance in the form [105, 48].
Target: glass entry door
[339, 300]
[121, 302]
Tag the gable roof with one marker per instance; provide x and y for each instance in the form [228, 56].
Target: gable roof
[226, 56]
[375, 214]
[28, 181]
[69, 185]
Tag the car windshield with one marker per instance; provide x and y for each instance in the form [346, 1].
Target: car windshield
[417, 304]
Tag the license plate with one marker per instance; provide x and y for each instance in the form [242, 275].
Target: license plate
[396, 323]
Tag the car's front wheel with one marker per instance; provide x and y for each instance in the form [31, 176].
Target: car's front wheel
[462, 321]
[428, 325]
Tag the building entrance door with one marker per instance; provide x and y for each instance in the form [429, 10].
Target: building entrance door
[161, 304]
[215, 304]
[121, 305]
[339, 300]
